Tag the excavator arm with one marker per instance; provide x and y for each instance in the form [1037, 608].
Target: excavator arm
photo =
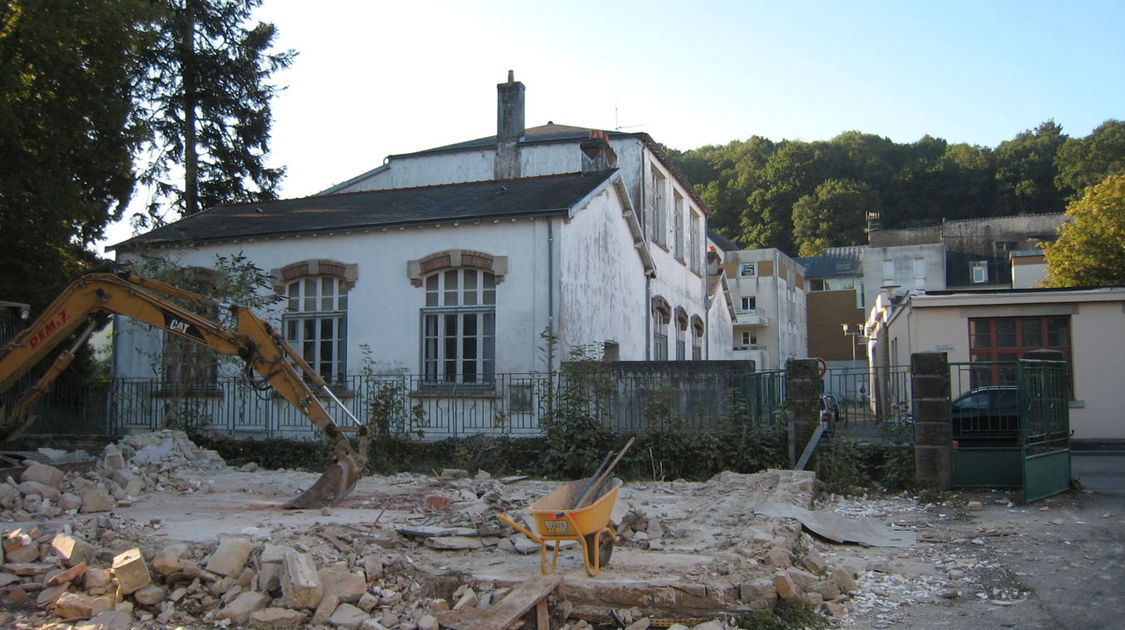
[253, 340]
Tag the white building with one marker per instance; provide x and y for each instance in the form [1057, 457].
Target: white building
[769, 295]
[451, 263]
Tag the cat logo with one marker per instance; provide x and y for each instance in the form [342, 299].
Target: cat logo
[180, 327]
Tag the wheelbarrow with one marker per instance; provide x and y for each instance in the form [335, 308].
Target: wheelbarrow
[556, 521]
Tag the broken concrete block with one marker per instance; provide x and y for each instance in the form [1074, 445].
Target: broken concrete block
[778, 557]
[441, 605]
[325, 608]
[75, 606]
[468, 600]
[96, 580]
[113, 458]
[19, 547]
[300, 582]
[238, 611]
[368, 602]
[786, 589]
[843, 578]
[65, 576]
[9, 496]
[149, 595]
[68, 501]
[347, 586]
[41, 489]
[129, 481]
[427, 622]
[166, 562]
[230, 556]
[273, 553]
[347, 616]
[96, 499]
[277, 619]
[828, 590]
[72, 549]
[757, 590]
[814, 562]
[48, 596]
[111, 620]
[44, 474]
[131, 571]
[269, 577]
[802, 578]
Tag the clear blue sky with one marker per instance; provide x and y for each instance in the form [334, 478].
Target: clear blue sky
[378, 78]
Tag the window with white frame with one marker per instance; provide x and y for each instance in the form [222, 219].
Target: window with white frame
[459, 327]
[978, 271]
[661, 317]
[747, 270]
[696, 252]
[681, 334]
[659, 209]
[748, 302]
[678, 226]
[696, 338]
[888, 271]
[316, 323]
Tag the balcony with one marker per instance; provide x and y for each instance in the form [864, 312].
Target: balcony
[751, 317]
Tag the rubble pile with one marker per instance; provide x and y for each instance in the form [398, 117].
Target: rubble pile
[155, 461]
[420, 548]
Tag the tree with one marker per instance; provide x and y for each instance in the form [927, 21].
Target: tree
[1025, 172]
[835, 214]
[205, 105]
[65, 79]
[1091, 250]
[1084, 162]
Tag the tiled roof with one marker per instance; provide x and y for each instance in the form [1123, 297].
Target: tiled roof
[473, 201]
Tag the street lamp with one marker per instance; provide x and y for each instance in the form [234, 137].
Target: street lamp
[858, 332]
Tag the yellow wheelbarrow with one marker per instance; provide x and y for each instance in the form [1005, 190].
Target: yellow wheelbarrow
[556, 521]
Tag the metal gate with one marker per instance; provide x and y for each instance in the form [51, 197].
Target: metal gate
[1044, 428]
[1010, 426]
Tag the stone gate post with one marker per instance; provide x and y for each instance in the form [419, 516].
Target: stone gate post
[933, 457]
[802, 391]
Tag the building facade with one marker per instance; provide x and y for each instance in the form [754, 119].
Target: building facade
[769, 295]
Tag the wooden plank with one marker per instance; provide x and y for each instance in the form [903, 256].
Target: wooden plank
[516, 604]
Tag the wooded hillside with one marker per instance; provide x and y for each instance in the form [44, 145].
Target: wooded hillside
[803, 196]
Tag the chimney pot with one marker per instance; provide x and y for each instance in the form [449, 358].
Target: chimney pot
[511, 76]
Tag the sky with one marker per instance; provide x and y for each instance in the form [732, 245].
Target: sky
[373, 79]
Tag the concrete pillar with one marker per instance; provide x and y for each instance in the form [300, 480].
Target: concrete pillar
[802, 393]
[933, 443]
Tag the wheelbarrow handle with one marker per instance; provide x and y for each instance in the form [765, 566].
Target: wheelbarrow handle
[521, 528]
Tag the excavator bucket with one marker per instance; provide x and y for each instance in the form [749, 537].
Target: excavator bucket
[335, 484]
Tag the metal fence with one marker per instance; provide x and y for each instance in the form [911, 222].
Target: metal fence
[408, 405]
[873, 403]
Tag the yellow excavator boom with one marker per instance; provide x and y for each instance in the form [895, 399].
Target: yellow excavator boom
[253, 339]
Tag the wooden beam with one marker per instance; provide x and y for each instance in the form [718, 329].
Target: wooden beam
[532, 593]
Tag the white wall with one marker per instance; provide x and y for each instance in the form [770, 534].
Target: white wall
[903, 256]
[1097, 318]
[383, 308]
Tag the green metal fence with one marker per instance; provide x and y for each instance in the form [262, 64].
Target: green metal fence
[409, 405]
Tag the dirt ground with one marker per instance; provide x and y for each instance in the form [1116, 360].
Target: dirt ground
[688, 552]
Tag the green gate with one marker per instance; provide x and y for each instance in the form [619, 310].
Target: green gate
[1044, 428]
[1010, 426]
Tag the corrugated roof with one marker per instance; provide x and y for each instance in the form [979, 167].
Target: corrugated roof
[835, 262]
[473, 201]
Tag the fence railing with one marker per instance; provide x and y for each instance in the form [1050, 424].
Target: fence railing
[512, 404]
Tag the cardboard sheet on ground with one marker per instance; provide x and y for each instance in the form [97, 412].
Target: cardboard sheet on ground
[839, 528]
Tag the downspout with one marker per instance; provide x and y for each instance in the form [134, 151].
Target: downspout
[777, 283]
[550, 279]
[648, 279]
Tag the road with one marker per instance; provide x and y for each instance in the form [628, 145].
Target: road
[1053, 565]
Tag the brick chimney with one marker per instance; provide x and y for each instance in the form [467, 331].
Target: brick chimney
[509, 128]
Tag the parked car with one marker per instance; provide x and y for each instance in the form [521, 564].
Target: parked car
[986, 415]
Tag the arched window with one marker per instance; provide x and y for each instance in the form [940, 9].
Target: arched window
[316, 322]
[681, 334]
[459, 326]
[696, 338]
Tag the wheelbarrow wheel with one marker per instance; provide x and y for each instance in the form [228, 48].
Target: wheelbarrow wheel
[604, 549]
